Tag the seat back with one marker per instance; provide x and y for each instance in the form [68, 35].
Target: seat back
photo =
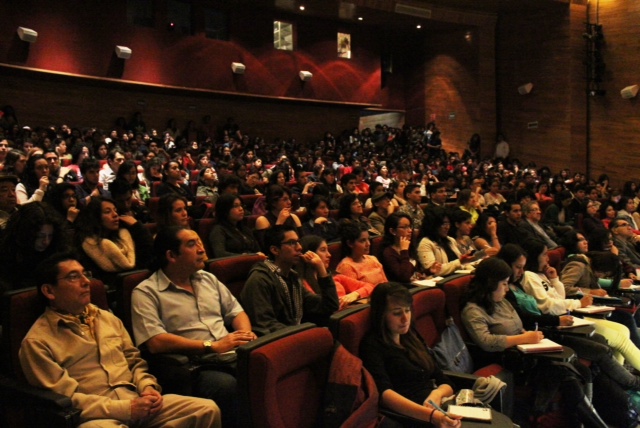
[126, 282]
[376, 245]
[20, 309]
[429, 313]
[556, 257]
[282, 376]
[454, 289]
[203, 229]
[233, 271]
[335, 249]
[349, 326]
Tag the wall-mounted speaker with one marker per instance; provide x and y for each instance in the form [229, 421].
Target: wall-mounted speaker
[27, 34]
[305, 76]
[525, 89]
[237, 67]
[123, 52]
[629, 92]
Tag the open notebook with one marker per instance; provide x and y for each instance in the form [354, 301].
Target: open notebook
[545, 345]
[471, 413]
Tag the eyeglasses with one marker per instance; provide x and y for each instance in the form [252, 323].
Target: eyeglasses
[291, 242]
[622, 225]
[74, 277]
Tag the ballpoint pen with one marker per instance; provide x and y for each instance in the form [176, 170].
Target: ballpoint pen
[438, 408]
[536, 324]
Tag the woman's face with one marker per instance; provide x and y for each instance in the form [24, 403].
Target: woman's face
[236, 213]
[465, 227]
[41, 168]
[629, 207]
[543, 188]
[322, 210]
[283, 202]
[330, 178]
[583, 244]
[592, 209]
[109, 216]
[210, 175]
[179, 213]
[20, 164]
[62, 148]
[443, 230]
[323, 252]
[400, 189]
[102, 151]
[173, 172]
[356, 208]
[281, 179]
[258, 163]
[204, 161]
[403, 230]
[384, 171]
[132, 174]
[543, 260]
[491, 224]
[360, 247]
[69, 199]
[43, 238]
[501, 291]
[611, 212]
[518, 268]
[397, 318]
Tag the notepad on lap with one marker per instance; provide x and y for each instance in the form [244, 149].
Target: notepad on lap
[577, 322]
[545, 345]
[470, 413]
[594, 309]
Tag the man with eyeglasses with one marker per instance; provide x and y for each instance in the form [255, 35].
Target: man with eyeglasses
[56, 172]
[626, 241]
[85, 353]
[274, 296]
[110, 169]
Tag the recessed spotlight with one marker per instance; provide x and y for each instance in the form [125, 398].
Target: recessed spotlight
[360, 18]
[301, 7]
[418, 26]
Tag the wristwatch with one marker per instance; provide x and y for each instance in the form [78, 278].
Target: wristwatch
[208, 349]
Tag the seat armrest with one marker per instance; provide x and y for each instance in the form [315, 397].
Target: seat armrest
[169, 359]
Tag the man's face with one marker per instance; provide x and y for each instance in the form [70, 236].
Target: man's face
[534, 213]
[515, 213]
[415, 196]
[192, 254]
[92, 176]
[52, 160]
[623, 228]
[72, 292]
[7, 196]
[440, 196]
[116, 162]
[289, 251]
[4, 148]
[351, 186]
[253, 180]
[580, 195]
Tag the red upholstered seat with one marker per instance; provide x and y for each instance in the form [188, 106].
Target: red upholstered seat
[203, 228]
[281, 377]
[127, 281]
[233, 271]
[454, 289]
[335, 249]
[556, 257]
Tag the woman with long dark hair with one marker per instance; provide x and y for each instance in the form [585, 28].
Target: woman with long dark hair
[405, 373]
[397, 256]
[231, 236]
[35, 182]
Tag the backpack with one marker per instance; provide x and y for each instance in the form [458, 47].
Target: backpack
[451, 352]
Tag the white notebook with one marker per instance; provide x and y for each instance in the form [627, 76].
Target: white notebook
[470, 413]
[545, 345]
[577, 322]
[591, 309]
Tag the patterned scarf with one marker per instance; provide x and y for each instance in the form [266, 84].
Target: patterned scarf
[294, 303]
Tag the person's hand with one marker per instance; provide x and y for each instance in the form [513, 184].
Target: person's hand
[313, 259]
[141, 406]
[566, 320]
[493, 229]
[599, 291]
[232, 340]
[44, 183]
[533, 336]
[614, 249]
[436, 268]
[150, 391]
[550, 272]
[283, 215]
[128, 220]
[466, 258]
[626, 283]
[586, 301]
[405, 243]
[72, 214]
[320, 220]
[439, 419]
[348, 299]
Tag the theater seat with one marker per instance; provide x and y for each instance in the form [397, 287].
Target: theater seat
[281, 377]
[556, 257]
[233, 271]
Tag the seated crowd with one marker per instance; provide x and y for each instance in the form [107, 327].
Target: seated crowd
[81, 203]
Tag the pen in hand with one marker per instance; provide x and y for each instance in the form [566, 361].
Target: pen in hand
[435, 406]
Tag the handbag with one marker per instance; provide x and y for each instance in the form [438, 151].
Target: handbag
[451, 353]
